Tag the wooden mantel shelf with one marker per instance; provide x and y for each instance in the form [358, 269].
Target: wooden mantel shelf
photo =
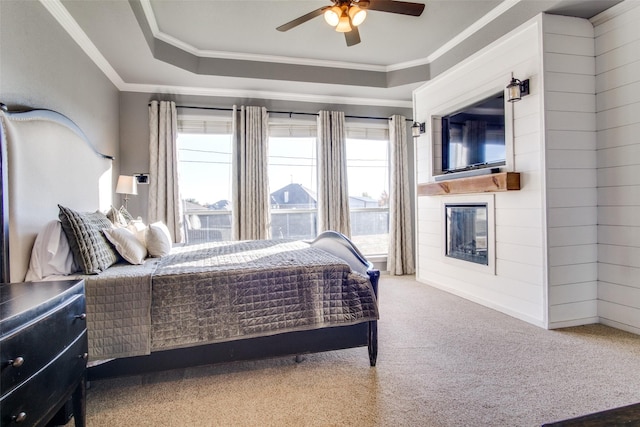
[503, 181]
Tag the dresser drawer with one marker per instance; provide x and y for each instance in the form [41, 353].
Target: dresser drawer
[40, 341]
[37, 398]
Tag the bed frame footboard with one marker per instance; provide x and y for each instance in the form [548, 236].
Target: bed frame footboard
[287, 344]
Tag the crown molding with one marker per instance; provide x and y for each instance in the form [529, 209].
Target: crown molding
[180, 44]
[259, 94]
[473, 28]
[64, 18]
[469, 31]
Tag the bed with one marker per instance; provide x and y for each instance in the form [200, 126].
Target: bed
[200, 304]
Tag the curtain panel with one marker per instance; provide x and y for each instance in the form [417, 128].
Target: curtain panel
[333, 189]
[251, 218]
[400, 259]
[164, 196]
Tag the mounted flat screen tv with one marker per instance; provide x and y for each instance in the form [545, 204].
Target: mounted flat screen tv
[474, 137]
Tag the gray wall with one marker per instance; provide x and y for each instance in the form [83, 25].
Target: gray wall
[42, 67]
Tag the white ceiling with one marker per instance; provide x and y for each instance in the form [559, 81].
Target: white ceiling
[232, 48]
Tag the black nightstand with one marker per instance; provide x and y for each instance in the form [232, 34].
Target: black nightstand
[43, 351]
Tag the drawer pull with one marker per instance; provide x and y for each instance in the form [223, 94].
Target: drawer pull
[17, 362]
[20, 417]
[82, 316]
[84, 356]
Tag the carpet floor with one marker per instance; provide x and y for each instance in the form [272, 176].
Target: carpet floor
[443, 361]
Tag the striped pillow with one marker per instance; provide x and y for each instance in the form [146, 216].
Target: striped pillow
[117, 219]
[125, 213]
[91, 250]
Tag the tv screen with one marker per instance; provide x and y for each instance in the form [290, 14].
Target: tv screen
[474, 136]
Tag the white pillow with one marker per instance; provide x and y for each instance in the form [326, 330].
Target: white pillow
[127, 245]
[158, 240]
[51, 254]
[139, 229]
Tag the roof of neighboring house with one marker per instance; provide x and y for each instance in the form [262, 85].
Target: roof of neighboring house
[298, 195]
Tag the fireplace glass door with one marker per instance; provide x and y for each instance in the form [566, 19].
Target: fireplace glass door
[466, 232]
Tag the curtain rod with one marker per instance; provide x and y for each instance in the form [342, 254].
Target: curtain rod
[290, 113]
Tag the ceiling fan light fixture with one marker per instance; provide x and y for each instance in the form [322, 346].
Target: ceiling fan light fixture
[345, 16]
[332, 15]
[357, 15]
[344, 26]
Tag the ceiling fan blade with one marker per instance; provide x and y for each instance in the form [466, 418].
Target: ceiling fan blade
[302, 19]
[352, 37]
[392, 6]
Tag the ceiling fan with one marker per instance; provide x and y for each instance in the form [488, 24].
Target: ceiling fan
[346, 15]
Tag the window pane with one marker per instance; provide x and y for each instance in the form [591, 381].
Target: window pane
[204, 167]
[368, 175]
[293, 187]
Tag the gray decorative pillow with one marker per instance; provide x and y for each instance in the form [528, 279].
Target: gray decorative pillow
[116, 217]
[90, 248]
[125, 213]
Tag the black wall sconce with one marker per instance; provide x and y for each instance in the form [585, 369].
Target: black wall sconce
[517, 89]
[141, 178]
[417, 129]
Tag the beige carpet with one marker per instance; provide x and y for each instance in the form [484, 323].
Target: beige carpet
[443, 361]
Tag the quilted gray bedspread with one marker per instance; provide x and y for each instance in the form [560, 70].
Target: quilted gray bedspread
[222, 291]
[119, 310]
[232, 290]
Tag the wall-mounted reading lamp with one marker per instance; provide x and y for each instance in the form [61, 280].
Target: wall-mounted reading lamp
[517, 89]
[417, 129]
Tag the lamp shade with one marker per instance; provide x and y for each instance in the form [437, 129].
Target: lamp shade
[126, 185]
[417, 129]
[513, 90]
[343, 25]
[332, 15]
[357, 15]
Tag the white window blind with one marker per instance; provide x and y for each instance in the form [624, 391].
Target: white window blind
[371, 131]
[211, 125]
[281, 127]
[292, 128]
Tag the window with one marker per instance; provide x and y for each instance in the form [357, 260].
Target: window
[293, 179]
[204, 168]
[204, 162]
[368, 177]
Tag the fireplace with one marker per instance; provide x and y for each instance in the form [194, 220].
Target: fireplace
[467, 228]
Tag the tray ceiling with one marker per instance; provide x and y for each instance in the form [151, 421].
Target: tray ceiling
[231, 48]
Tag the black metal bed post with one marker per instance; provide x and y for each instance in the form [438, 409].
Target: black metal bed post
[374, 276]
[5, 274]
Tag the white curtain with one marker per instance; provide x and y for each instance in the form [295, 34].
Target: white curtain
[333, 189]
[164, 197]
[400, 259]
[250, 174]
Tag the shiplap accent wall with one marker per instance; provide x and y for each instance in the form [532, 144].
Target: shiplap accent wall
[617, 49]
[518, 286]
[567, 243]
[571, 193]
